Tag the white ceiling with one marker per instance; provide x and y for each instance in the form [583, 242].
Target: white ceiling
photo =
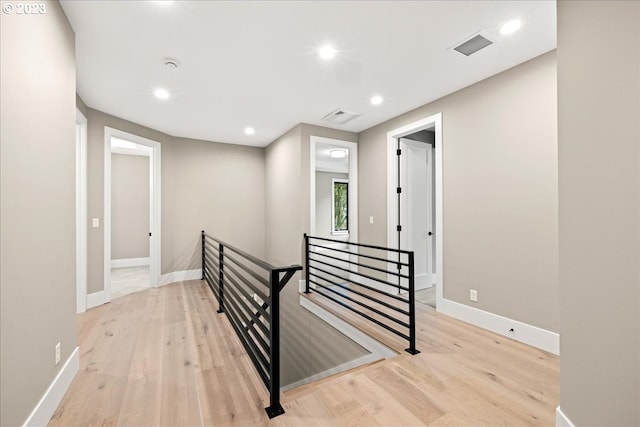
[326, 163]
[254, 63]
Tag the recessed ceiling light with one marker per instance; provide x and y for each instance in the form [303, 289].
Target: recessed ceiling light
[161, 93]
[249, 130]
[327, 52]
[338, 154]
[164, 2]
[376, 100]
[510, 27]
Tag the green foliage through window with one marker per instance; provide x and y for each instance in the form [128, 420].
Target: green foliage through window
[340, 206]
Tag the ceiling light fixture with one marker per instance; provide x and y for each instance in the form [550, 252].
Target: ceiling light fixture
[338, 154]
[376, 100]
[161, 93]
[510, 27]
[164, 2]
[249, 130]
[327, 52]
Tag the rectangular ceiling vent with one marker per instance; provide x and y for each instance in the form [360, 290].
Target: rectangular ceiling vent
[340, 116]
[473, 44]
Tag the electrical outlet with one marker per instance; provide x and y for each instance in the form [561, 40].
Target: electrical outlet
[57, 353]
[95, 222]
[473, 295]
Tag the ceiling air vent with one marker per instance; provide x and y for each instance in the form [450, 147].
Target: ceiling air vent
[340, 116]
[473, 44]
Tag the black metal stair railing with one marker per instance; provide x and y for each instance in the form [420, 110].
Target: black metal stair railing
[248, 292]
[374, 282]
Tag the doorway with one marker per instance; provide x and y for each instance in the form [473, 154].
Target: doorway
[131, 213]
[414, 202]
[333, 194]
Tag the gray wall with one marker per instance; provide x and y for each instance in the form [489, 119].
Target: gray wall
[308, 346]
[214, 187]
[500, 191]
[599, 160]
[205, 185]
[37, 212]
[129, 206]
[324, 220]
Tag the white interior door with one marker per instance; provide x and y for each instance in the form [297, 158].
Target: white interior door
[416, 208]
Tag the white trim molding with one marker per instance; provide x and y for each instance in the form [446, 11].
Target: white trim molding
[523, 332]
[353, 182]
[49, 402]
[562, 420]
[95, 299]
[179, 276]
[81, 212]
[155, 179]
[435, 122]
[130, 262]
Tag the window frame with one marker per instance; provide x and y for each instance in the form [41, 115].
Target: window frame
[335, 181]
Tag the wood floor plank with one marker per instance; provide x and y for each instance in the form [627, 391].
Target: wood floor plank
[165, 357]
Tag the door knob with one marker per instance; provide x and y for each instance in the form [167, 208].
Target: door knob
[430, 233]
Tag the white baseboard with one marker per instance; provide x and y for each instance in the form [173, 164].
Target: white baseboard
[528, 334]
[130, 262]
[562, 420]
[95, 299]
[368, 343]
[179, 276]
[49, 402]
[368, 358]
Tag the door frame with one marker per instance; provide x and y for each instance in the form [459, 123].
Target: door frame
[155, 205]
[434, 121]
[408, 231]
[353, 183]
[81, 212]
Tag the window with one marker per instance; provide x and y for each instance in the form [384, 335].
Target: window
[340, 206]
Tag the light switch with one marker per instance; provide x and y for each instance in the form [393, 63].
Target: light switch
[371, 220]
[96, 222]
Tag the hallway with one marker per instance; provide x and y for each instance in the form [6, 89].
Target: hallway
[164, 357]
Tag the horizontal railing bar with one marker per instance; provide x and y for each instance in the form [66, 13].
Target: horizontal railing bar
[382, 270]
[261, 368]
[257, 261]
[240, 320]
[248, 270]
[212, 246]
[361, 304]
[366, 316]
[360, 274]
[369, 297]
[246, 311]
[245, 294]
[215, 256]
[211, 262]
[371, 288]
[361, 245]
[207, 273]
[230, 268]
[359, 255]
[212, 287]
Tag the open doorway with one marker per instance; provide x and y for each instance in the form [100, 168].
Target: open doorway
[132, 213]
[334, 193]
[414, 202]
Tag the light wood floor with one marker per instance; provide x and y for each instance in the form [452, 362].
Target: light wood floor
[164, 357]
